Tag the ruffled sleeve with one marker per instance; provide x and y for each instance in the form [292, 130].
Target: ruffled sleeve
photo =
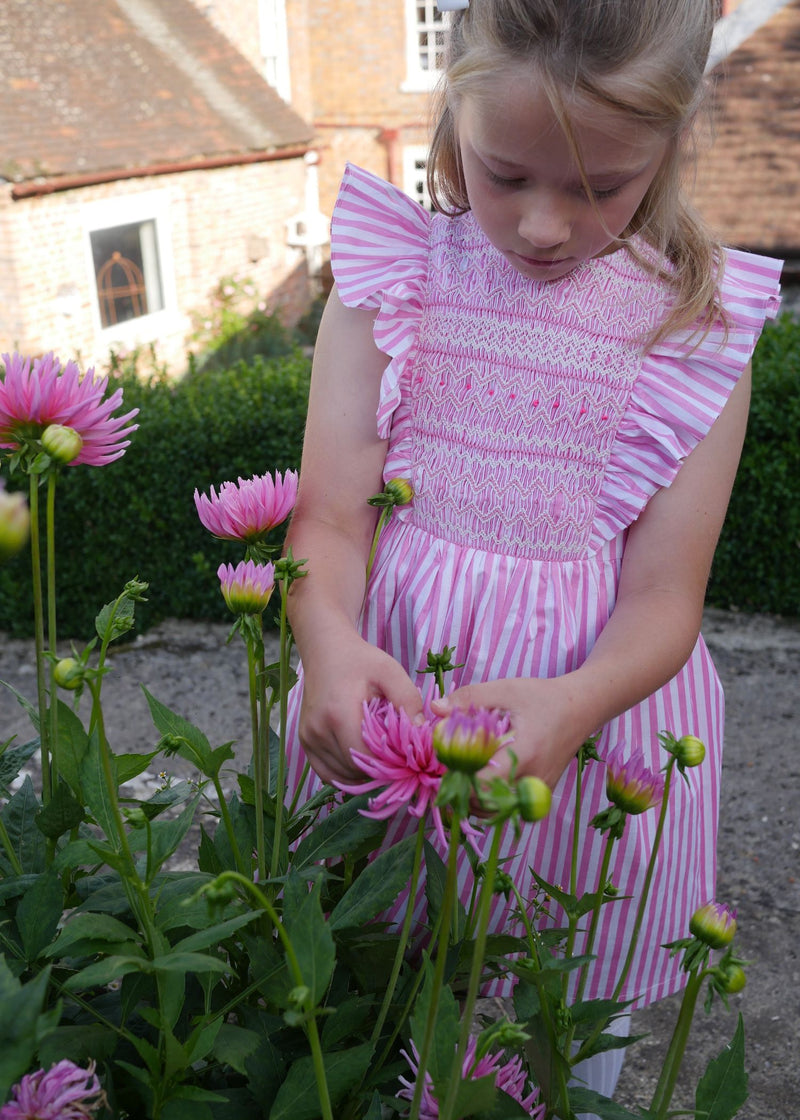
[379, 256]
[680, 392]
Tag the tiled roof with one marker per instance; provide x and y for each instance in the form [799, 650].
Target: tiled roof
[748, 184]
[98, 85]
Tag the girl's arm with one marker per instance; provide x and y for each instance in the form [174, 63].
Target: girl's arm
[332, 528]
[656, 621]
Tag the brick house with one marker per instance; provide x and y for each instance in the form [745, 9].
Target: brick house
[747, 182]
[143, 159]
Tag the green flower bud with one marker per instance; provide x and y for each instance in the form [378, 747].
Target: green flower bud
[535, 797]
[15, 523]
[714, 924]
[733, 979]
[68, 673]
[690, 751]
[61, 443]
[400, 490]
[467, 740]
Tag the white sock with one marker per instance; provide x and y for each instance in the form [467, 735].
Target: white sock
[601, 1072]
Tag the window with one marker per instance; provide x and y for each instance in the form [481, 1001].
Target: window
[415, 175]
[129, 262]
[275, 45]
[425, 36]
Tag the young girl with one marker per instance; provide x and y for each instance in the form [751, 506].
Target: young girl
[558, 363]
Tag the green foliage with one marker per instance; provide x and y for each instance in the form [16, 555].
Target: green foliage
[136, 516]
[756, 566]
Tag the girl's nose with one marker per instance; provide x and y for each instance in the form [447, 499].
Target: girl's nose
[545, 221]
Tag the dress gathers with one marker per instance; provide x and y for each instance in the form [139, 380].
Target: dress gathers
[534, 432]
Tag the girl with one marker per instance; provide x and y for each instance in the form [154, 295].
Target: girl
[558, 362]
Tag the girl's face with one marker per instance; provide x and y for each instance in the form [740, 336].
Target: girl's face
[524, 183]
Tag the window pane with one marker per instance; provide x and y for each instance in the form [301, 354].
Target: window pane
[127, 272]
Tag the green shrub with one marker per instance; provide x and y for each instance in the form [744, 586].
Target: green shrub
[757, 565]
[136, 517]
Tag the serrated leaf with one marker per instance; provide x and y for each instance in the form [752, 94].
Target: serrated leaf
[19, 817]
[722, 1089]
[587, 1100]
[73, 743]
[234, 1045]
[101, 973]
[298, 1097]
[312, 941]
[376, 888]
[338, 834]
[61, 814]
[128, 766]
[39, 913]
[213, 935]
[91, 927]
[95, 790]
[11, 762]
[195, 747]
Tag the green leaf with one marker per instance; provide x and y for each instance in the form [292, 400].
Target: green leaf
[722, 1089]
[213, 935]
[587, 1100]
[129, 766]
[312, 941]
[61, 814]
[93, 929]
[166, 836]
[95, 789]
[338, 834]
[189, 741]
[39, 913]
[298, 1097]
[377, 886]
[23, 1024]
[188, 962]
[234, 1045]
[435, 878]
[102, 972]
[12, 760]
[88, 1042]
[19, 817]
[73, 743]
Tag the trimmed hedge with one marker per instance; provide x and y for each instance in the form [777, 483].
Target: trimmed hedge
[757, 564]
[136, 517]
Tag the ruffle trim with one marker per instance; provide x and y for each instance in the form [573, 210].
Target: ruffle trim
[681, 390]
[379, 257]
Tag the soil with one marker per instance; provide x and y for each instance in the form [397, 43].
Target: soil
[189, 667]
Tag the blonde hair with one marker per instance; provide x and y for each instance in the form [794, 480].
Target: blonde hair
[641, 57]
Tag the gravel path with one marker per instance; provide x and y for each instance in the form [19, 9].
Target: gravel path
[189, 667]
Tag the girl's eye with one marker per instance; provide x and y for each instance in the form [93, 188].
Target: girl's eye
[609, 192]
[501, 181]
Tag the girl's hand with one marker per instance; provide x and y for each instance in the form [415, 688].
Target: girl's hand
[544, 723]
[340, 675]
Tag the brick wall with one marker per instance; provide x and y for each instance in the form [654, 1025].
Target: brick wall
[229, 221]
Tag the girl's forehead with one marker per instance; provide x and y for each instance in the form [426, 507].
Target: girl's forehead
[515, 116]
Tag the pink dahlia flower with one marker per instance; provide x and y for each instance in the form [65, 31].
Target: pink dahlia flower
[630, 785]
[64, 1092]
[510, 1078]
[401, 763]
[247, 587]
[246, 510]
[34, 396]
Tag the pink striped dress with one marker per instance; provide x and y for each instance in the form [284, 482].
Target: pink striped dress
[534, 433]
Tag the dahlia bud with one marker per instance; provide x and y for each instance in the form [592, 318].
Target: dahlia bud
[68, 673]
[400, 490]
[714, 924]
[247, 587]
[15, 523]
[630, 785]
[690, 751]
[467, 740]
[535, 797]
[733, 979]
[61, 443]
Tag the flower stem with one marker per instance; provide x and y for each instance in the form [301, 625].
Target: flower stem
[479, 949]
[280, 784]
[258, 761]
[441, 960]
[680, 1036]
[385, 514]
[51, 619]
[38, 620]
[5, 840]
[584, 974]
[648, 879]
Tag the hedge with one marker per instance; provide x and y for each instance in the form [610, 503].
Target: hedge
[757, 564]
[136, 517]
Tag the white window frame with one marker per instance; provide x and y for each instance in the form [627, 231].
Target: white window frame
[126, 210]
[418, 78]
[274, 41]
[413, 156]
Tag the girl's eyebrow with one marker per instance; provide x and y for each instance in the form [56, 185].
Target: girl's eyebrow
[606, 176]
